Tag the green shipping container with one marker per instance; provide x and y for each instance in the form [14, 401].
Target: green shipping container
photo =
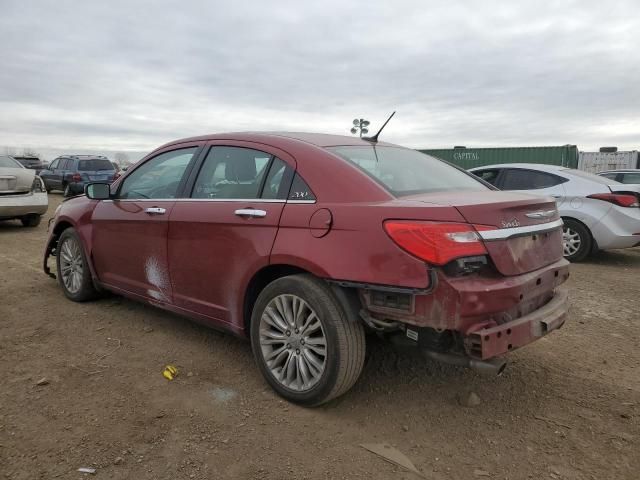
[566, 156]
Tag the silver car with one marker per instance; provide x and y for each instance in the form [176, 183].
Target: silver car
[598, 213]
[622, 176]
[22, 193]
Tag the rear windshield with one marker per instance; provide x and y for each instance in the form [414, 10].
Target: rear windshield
[95, 164]
[8, 162]
[407, 172]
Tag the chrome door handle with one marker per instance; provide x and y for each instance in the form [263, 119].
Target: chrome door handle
[155, 211]
[250, 212]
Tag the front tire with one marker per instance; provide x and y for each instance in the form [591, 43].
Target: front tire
[74, 275]
[576, 240]
[308, 348]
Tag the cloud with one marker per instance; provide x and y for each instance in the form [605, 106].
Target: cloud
[131, 75]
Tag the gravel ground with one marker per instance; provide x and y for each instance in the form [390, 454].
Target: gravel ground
[567, 407]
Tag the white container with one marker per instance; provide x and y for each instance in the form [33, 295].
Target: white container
[595, 162]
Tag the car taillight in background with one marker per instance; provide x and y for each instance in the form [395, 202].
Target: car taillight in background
[620, 199]
[116, 176]
[76, 177]
[38, 185]
[434, 242]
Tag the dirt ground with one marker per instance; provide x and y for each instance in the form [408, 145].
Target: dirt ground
[567, 407]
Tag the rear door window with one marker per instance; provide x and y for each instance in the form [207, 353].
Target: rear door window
[523, 179]
[232, 173]
[276, 185]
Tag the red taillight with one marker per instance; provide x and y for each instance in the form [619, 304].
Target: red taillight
[116, 176]
[76, 177]
[436, 243]
[620, 199]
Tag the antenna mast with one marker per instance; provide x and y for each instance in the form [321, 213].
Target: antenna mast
[374, 139]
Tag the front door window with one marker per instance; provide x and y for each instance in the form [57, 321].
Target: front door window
[159, 178]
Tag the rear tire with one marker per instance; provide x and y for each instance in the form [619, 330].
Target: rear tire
[576, 240]
[307, 347]
[31, 220]
[74, 275]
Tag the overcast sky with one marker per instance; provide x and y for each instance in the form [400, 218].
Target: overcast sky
[130, 75]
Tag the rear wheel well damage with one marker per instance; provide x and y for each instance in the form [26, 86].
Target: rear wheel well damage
[347, 297]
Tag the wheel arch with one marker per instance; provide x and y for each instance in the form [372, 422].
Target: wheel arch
[346, 297]
[62, 225]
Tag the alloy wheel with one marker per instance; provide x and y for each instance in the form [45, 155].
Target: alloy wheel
[571, 241]
[71, 265]
[293, 342]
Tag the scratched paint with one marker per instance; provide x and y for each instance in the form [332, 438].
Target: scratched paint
[157, 276]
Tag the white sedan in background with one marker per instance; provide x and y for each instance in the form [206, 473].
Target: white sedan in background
[598, 213]
[22, 193]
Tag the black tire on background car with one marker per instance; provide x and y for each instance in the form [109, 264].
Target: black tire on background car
[307, 346]
[576, 240]
[74, 275]
[31, 220]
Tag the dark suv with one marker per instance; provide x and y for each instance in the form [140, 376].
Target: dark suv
[30, 162]
[69, 173]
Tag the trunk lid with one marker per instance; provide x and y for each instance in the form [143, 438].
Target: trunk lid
[15, 180]
[520, 240]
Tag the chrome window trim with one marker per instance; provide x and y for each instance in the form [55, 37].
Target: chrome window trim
[243, 200]
[506, 233]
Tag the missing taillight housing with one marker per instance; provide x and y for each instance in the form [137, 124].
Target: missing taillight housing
[436, 242]
[621, 199]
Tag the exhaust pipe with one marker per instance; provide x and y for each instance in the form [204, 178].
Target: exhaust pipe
[494, 366]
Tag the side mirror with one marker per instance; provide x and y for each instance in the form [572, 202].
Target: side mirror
[98, 191]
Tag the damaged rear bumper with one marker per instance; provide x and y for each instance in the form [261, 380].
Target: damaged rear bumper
[491, 342]
[478, 316]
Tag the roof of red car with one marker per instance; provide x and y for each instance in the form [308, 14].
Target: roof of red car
[319, 139]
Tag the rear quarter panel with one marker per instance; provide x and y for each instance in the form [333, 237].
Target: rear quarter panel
[356, 248]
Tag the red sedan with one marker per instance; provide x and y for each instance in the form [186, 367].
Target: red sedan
[304, 242]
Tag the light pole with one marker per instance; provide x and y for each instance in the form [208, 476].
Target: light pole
[360, 125]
